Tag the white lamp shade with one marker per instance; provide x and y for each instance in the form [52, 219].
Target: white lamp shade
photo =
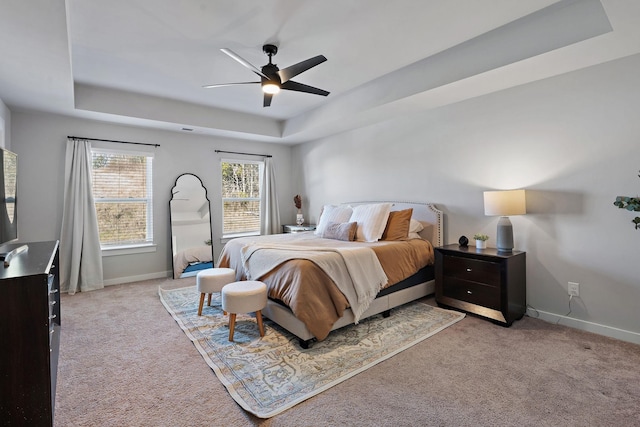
[505, 203]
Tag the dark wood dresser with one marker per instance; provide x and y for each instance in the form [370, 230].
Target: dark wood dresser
[29, 335]
[482, 281]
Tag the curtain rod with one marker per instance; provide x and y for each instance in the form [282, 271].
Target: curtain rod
[246, 154]
[113, 140]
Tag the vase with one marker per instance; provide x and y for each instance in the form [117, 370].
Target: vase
[299, 218]
[481, 244]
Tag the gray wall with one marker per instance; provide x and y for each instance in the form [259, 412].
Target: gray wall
[40, 139]
[571, 141]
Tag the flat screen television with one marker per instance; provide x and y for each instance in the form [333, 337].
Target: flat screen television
[8, 199]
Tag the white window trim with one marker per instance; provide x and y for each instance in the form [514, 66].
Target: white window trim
[129, 249]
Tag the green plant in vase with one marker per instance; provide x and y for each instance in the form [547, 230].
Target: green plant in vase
[481, 240]
[631, 204]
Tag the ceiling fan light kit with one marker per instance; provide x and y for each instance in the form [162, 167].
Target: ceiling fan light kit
[272, 79]
[269, 87]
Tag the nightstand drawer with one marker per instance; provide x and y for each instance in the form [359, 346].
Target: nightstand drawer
[473, 292]
[474, 270]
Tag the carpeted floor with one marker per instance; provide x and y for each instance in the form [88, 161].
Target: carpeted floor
[123, 362]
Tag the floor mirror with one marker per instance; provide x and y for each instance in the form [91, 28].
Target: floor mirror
[190, 216]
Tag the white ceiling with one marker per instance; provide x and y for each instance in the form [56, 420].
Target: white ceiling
[144, 62]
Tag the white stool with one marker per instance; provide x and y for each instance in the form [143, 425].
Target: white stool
[244, 297]
[212, 280]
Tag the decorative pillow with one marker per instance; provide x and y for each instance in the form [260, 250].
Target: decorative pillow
[371, 219]
[414, 228]
[344, 231]
[398, 225]
[332, 213]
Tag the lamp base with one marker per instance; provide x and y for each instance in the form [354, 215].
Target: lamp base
[504, 241]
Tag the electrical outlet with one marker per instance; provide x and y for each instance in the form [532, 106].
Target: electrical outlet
[574, 289]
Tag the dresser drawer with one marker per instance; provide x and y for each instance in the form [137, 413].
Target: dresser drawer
[474, 270]
[473, 292]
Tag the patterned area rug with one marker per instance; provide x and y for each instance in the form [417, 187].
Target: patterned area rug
[271, 374]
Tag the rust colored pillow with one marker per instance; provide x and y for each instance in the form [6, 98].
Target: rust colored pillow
[398, 225]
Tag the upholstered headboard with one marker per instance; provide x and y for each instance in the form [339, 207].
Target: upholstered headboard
[427, 213]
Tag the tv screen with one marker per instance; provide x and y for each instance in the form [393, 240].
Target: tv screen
[8, 187]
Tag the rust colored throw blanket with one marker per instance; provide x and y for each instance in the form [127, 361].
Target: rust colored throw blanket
[307, 290]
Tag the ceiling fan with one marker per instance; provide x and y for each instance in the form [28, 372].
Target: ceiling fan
[272, 78]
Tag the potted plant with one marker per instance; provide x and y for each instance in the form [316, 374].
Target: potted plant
[631, 204]
[481, 240]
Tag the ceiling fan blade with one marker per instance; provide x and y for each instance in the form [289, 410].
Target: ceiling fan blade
[299, 87]
[229, 84]
[292, 71]
[267, 99]
[244, 62]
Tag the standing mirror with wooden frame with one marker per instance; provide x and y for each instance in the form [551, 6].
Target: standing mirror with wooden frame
[190, 216]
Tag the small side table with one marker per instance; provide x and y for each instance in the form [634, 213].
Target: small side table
[486, 282]
[294, 228]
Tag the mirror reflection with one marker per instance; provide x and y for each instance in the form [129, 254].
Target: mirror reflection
[191, 236]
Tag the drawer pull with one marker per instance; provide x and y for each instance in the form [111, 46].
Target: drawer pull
[53, 291]
[469, 292]
[469, 270]
[52, 303]
[53, 316]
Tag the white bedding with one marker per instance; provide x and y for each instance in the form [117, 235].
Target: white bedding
[183, 258]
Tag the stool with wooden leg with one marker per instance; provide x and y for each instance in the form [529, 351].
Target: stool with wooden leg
[212, 280]
[244, 297]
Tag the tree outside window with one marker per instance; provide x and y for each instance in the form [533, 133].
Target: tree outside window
[122, 190]
[241, 197]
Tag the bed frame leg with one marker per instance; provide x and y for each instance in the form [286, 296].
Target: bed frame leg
[305, 344]
[386, 313]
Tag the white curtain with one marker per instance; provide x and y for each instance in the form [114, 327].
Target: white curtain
[80, 254]
[270, 222]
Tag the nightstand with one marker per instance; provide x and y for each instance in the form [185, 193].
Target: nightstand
[486, 282]
[294, 228]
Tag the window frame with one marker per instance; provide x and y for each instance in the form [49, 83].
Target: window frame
[261, 165]
[149, 244]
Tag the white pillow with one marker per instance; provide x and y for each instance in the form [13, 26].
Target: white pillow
[414, 228]
[332, 213]
[371, 219]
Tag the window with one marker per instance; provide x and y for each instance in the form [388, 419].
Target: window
[241, 197]
[123, 197]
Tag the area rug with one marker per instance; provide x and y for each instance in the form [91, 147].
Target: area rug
[271, 374]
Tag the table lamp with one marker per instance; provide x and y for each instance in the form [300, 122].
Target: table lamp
[505, 203]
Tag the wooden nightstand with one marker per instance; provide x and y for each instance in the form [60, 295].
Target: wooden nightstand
[482, 281]
[294, 228]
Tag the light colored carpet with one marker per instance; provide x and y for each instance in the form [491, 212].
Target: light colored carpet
[123, 362]
[271, 374]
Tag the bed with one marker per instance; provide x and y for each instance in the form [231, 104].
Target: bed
[311, 276]
[188, 262]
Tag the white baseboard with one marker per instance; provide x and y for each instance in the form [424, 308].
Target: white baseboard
[584, 325]
[129, 279]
